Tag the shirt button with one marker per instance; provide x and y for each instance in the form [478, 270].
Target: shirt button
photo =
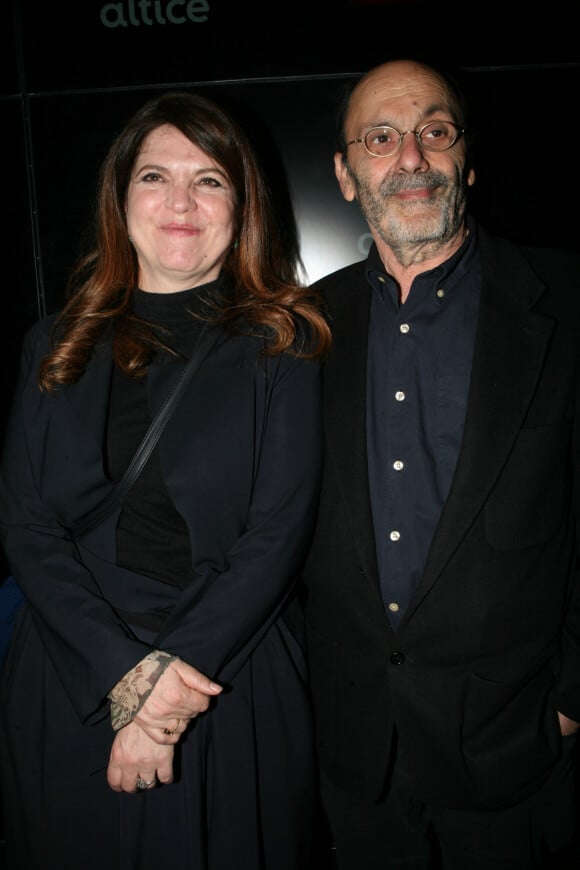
[398, 465]
[404, 328]
[397, 658]
[400, 396]
[440, 293]
[394, 607]
[394, 535]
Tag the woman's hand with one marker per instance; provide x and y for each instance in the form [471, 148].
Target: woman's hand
[136, 758]
[180, 694]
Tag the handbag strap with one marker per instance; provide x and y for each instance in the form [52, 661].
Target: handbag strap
[205, 342]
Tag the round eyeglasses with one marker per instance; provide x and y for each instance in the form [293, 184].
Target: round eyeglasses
[386, 141]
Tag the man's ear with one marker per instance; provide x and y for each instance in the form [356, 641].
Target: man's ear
[343, 177]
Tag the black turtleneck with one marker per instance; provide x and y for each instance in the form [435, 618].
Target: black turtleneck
[152, 537]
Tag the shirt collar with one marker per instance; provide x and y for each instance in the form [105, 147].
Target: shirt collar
[448, 273]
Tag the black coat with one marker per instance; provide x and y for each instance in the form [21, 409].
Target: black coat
[490, 645]
[241, 459]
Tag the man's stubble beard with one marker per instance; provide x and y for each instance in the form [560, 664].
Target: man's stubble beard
[412, 225]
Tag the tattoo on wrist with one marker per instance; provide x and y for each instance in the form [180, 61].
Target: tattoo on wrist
[131, 692]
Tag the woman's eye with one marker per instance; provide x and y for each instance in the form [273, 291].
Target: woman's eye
[151, 176]
[209, 181]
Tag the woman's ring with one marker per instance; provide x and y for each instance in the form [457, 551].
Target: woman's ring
[169, 732]
[144, 784]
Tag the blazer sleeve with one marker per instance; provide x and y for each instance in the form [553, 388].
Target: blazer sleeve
[88, 645]
[222, 615]
[559, 270]
[567, 695]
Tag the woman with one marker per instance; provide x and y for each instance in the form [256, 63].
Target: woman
[153, 703]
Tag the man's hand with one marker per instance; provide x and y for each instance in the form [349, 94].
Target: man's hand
[567, 726]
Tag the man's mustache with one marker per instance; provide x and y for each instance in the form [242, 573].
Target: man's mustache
[426, 180]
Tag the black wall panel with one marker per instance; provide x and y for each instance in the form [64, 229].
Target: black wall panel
[71, 72]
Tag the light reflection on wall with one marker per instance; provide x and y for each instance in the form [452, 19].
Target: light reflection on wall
[330, 237]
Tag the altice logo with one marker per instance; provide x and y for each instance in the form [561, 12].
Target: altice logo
[149, 12]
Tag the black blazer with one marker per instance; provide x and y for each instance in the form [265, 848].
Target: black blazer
[490, 646]
[241, 458]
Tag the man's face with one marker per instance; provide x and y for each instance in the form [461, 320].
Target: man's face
[415, 195]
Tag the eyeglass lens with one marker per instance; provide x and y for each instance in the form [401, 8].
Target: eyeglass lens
[437, 136]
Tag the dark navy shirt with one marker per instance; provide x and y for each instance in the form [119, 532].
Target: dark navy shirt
[419, 366]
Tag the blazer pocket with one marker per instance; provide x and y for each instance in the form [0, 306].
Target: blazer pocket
[528, 503]
[510, 731]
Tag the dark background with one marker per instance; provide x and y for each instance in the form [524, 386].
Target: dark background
[69, 79]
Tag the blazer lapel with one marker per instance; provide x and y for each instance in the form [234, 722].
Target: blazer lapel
[510, 347]
[79, 432]
[345, 386]
[89, 399]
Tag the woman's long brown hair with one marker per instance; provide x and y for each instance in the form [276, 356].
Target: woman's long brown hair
[263, 276]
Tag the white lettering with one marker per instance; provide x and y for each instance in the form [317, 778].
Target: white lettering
[158, 16]
[150, 12]
[169, 11]
[202, 6]
[119, 20]
[144, 6]
[132, 17]
[364, 243]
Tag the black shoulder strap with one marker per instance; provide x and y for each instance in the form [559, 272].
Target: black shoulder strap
[205, 342]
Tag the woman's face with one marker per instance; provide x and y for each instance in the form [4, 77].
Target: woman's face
[180, 213]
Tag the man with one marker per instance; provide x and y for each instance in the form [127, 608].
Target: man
[443, 597]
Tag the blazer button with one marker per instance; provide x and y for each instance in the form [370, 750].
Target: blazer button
[397, 658]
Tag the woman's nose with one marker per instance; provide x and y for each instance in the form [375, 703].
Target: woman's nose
[182, 197]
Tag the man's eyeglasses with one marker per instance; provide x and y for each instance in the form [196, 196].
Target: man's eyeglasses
[386, 141]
